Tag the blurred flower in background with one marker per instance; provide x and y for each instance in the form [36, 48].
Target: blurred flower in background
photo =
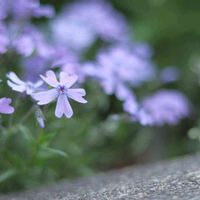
[165, 106]
[81, 23]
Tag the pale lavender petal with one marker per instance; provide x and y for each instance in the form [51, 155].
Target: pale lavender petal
[77, 98]
[50, 78]
[14, 78]
[78, 91]
[63, 107]
[67, 80]
[38, 84]
[60, 106]
[67, 108]
[15, 87]
[5, 107]
[76, 94]
[45, 97]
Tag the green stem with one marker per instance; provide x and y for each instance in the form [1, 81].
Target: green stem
[27, 115]
[12, 128]
[15, 106]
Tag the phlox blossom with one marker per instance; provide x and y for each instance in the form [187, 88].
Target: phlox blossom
[21, 86]
[61, 91]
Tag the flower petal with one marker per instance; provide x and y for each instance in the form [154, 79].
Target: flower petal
[45, 97]
[68, 109]
[67, 80]
[38, 84]
[5, 107]
[76, 94]
[16, 87]
[14, 78]
[78, 91]
[63, 107]
[60, 106]
[50, 78]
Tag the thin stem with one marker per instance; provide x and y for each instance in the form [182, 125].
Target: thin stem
[27, 115]
[15, 106]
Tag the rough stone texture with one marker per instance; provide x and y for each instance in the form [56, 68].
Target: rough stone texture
[170, 180]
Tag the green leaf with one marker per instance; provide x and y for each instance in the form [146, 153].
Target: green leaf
[26, 133]
[46, 152]
[16, 160]
[7, 174]
[45, 139]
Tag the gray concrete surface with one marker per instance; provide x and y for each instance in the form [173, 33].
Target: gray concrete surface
[170, 180]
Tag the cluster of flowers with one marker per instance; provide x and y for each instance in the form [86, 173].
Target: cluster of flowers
[119, 68]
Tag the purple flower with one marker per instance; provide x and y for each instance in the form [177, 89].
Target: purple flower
[122, 64]
[25, 9]
[102, 19]
[5, 107]
[74, 34]
[164, 107]
[119, 69]
[30, 40]
[20, 86]
[19, 32]
[95, 19]
[62, 91]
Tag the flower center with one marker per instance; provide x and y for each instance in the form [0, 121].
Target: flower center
[62, 89]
